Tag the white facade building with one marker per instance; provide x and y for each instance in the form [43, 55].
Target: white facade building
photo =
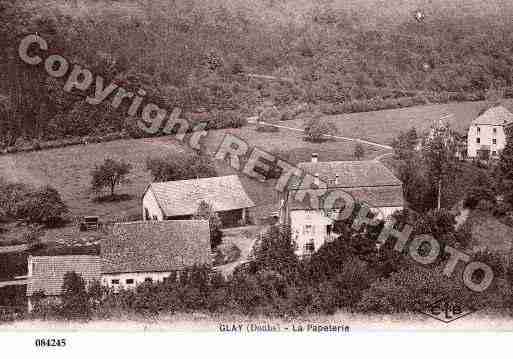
[139, 252]
[368, 182]
[486, 135]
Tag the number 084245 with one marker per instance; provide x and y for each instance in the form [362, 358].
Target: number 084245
[50, 342]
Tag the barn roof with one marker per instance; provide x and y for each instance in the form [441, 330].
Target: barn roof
[156, 246]
[181, 198]
[365, 181]
[352, 173]
[495, 116]
[48, 271]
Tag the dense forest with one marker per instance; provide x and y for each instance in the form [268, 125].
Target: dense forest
[342, 56]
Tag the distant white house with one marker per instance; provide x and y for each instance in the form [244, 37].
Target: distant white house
[368, 182]
[180, 199]
[138, 252]
[486, 135]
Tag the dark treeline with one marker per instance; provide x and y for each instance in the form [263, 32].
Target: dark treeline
[192, 55]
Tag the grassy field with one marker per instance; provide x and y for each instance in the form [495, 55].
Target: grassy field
[68, 169]
[383, 126]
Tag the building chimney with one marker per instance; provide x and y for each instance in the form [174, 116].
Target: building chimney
[315, 156]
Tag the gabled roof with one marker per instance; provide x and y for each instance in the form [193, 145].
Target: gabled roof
[495, 116]
[181, 198]
[156, 246]
[375, 197]
[48, 271]
[352, 173]
[365, 181]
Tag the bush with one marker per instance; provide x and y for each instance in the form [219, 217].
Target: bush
[43, 206]
[180, 166]
[476, 194]
[226, 253]
[501, 209]
[75, 299]
[226, 119]
[409, 290]
[316, 129]
[485, 205]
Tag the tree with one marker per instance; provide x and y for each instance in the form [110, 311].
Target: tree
[505, 166]
[404, 144]
[109, 175]
[359, 151]
[275, 171]
[75, 300]
[412, 171]
[42, 206]
[206, 212]
[181, 166]
[438, 151]
[316, 129]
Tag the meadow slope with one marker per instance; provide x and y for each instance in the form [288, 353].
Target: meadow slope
[68, 169]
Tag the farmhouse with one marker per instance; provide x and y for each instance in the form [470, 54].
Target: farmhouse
[486, 135]
[177, 200]
[368, 182]
[46, 274]
[144, 251]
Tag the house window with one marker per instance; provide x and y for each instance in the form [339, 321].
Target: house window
[494, 130]
[494, 141]
[115, 281]
[478, 130]
[155, 218]
[478, 140]
[129, 281]
[494, 153]
[308, 229]
[148, 279]
[146, 214]
[310, 246]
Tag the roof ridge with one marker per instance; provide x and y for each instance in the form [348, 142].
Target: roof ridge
[195, 179]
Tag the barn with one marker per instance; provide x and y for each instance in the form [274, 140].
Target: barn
[178, 200]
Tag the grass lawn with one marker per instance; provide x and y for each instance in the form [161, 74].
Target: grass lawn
[68, 169]
[383, 126]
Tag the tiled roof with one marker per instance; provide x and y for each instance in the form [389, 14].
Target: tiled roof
[156, 246]
[352, 173]
[389, 196]
[366, 181]
[180, 198]
[48, 271]
[496, 116]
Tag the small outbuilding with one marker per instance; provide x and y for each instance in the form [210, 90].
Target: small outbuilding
[178, 200]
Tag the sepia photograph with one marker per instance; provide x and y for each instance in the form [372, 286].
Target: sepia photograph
[255, 167]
